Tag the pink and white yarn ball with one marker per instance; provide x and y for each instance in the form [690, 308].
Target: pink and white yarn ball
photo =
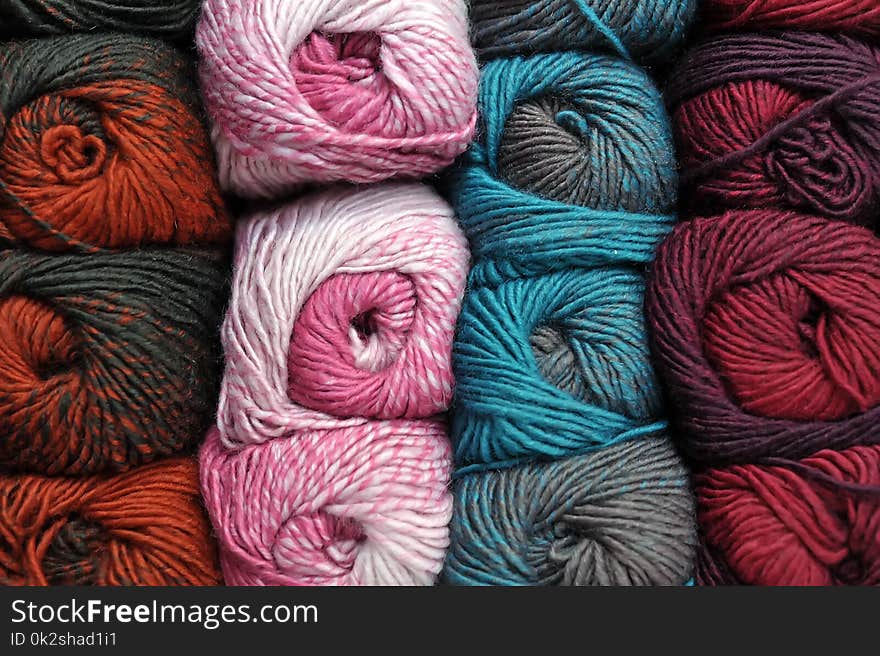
[330, 90]
[342, 311]
[363, 505]
[328, 464]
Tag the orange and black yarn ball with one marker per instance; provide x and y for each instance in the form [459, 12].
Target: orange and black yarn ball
[102, 146]
[107, 360]
[144, 527]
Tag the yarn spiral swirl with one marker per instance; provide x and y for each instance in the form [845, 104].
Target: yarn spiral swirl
[88, 135]
[164, 18]
[766, 333]
[529, 194]
[143, 527]
[646, 30]
[857, 17]
[109, 360]
[363, 505]
[556, 425]
[335, 90]
[338, 342]
[780, 120]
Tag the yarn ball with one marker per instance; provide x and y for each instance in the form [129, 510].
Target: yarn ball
[766, 332]
[363, 505]
[101, 146]
[859, 17]
[529, 193]
[109, 360]
[553, 365]
[648, 30]
[143, 527]
[166, 18]
[343, 311]
[318, 91]
[811, 522]
[619, 516]
[780, 120]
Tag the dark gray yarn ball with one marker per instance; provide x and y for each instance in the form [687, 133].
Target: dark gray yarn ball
[623, 515]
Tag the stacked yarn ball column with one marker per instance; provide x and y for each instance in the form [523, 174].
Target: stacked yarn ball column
[565, 472]
[143, 527]
[329, 464]
[646, 30]
[764, 318]
[111, 289]
[335, 90]
[163, 18]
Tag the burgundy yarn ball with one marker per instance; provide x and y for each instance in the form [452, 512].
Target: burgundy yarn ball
[780, 120]
[811, 522]
[860, 17]
[766, 332]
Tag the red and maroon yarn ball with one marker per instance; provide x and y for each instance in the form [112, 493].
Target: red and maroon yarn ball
[780, 120]
[765, 327]
[858, 17]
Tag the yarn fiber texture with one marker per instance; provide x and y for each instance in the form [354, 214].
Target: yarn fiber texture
[780, 120]
[327, 466]
[565, 473]
[101, 146]
[109, 360]
[857, 17]
[331, 90]
[145, 527]
[529, 193]
[647, 30]
[765, 330]
[164, 18]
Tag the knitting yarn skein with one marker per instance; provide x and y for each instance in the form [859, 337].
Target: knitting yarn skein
[109, 360]
[343, 311]
[857, 17]
[810, 522]
[165, 18]
[364, 505]
[144, 527]
[619, 516]
[101, 146]
[647, 30]
[766, 333]
[780, 120]
[529, 193]
[325, 90]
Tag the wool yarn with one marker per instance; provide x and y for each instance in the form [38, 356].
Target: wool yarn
[362, 505]
[328, 466]
[780, 120]
[648, 30]
[101, 146]
[165, 18]
[565, 473]
[326, 90]
[143, 527]
[529, 193]
[766, 332]
[812, 522]
[109, 360]
[617, 516]
[858, 17]
[343, 310]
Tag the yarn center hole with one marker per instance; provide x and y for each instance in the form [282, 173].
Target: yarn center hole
[75, 157]
[320, 544]
[73, 556]
[39, 343]
[340, 76]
